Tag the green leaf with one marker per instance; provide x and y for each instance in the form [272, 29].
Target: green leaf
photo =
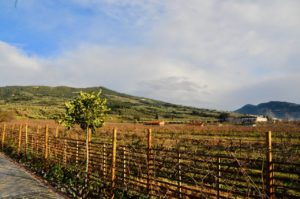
[88, 110]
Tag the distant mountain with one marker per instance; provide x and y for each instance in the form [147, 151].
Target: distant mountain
[281, 110]
[44, 102]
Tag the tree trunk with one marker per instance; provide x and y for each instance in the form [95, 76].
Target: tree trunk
[87, 149]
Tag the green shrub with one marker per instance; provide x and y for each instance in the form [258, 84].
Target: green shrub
[55, 173]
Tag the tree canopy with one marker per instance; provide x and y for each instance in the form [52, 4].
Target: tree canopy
[87, 110]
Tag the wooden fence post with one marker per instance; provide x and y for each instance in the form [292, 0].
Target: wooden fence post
[20, 139]
[269, 170]
[26, 139]
[49, 146]
[3, 136]
[179, 174]
[124, 165]
[218, 176]
[149, 162]
[55, 140]
[87, 143]
[104, 161]
[113, 162]
[37, 139]
[77, 151]
[65, 153]
[32, 142]
[46, 142]
[56, 131]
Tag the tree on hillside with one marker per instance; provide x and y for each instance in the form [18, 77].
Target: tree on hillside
[88, 110]
[224, 116]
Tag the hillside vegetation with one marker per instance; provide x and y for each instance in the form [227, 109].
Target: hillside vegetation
[43, 102]
[281, 110]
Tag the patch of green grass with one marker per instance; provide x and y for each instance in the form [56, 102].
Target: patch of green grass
[42, 102]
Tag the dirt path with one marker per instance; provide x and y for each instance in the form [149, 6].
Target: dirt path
[15, 183]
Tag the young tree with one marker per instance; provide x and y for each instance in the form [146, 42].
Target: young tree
[88, 111]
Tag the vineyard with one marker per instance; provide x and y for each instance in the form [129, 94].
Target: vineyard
[175, 161]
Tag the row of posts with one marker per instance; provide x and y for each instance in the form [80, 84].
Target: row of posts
[114, 152]
[150, 162]
[20, 135]
[150, 166]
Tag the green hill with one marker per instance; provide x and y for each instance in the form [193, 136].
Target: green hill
[43, 102]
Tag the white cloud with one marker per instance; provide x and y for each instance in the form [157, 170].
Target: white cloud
[13, 58]
[178, 90]
[118, 68]
[237, 43]
[211, 53]
[283, 88]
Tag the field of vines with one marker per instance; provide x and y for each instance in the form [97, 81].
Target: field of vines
[172, 161]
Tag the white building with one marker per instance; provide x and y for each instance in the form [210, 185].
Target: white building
[253, 119]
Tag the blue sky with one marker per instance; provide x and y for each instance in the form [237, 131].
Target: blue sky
[218, 54]
[45, 28]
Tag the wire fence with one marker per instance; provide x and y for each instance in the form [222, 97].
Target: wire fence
[189, 168]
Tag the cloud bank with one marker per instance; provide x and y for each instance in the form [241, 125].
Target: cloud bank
[212, 53]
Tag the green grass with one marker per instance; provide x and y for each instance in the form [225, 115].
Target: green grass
[42, 102]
